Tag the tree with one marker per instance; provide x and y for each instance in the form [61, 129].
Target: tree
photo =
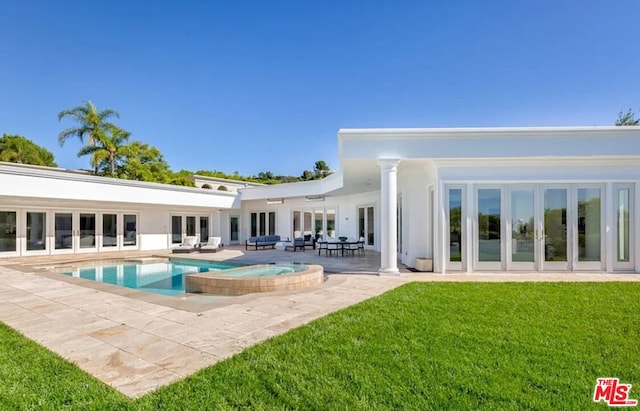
[107, 150]
[321, 169]
[91, 124]
[627, 119]
[18, 149]
[144, 163]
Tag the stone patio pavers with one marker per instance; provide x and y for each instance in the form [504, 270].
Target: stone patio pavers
[137, 343]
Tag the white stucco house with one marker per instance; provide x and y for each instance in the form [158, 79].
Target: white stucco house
[471, 199]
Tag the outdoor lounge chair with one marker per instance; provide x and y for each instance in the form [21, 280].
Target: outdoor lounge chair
[188, 245]
[212, 245]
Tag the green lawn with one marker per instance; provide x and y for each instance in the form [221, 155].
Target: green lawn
[422, 346]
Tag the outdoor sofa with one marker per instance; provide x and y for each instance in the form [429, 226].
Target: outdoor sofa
[263, 241]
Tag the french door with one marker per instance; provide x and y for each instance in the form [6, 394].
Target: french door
[550, 227]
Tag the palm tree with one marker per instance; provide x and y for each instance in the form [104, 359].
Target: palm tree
[107, 148]
[91, 122]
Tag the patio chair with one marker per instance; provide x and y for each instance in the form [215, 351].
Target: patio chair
[212, 245]
[189, 245]
[361, 246]
[352, 247]
[322, 245]
[331, 247]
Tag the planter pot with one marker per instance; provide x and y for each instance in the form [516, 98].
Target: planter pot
[424, 264]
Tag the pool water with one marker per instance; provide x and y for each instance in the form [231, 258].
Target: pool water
[168, 278]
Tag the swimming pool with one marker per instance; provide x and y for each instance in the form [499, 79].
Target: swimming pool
[169, 277]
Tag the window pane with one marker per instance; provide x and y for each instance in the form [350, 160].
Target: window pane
[319, 230]
[489, 225]
[191, 226]
[296, 224]
[370, 224]
[522, 225]
[262, 227]
[176, 229]
[87, 230]
[589, 223]
[455, 224]
[204, 229]
[7, 231]
[254, 224]
[36, 231]
[331, 223]
[130, 229]
[272, 223]
[307, 223]
[622, 223]
[555, 224]
[109, 231]
[234, 228]
[63, 231]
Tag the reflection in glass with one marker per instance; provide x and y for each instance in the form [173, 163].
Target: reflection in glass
[370, 230]
[234, 228]
[87, 230]
[262, 223]
[522, 225]
[307, 222]
[272, 223]
[36, 231]
[296, 224]
[7, 231]
[331, 223]
[555, 224]
[109, 231]
[204, 229]
[455, 224]
[62, 227]
[254, 224]
[489, 225]
[589, 223]
[191, 226]
[622, 223]
[176, 229]
[130, 229]
[319, 231]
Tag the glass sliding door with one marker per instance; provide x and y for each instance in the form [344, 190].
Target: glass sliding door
[588, 238]
[556, 230]
[522, 244]
[130, 234]
[8, 234]
[36, 236]
[109, 230]
[454, 231]
[623, 227]
[262, 222]
[87, 231]
[63, 231]
[489, 232]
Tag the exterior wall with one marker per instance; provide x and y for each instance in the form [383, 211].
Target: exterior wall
[414, 183]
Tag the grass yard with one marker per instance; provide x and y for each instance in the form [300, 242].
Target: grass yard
[422, 346]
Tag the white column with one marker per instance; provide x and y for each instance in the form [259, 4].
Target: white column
[388, 223]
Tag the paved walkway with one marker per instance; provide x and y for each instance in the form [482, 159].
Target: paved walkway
[137, 343]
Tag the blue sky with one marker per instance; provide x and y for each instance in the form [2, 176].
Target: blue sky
[254, 86]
